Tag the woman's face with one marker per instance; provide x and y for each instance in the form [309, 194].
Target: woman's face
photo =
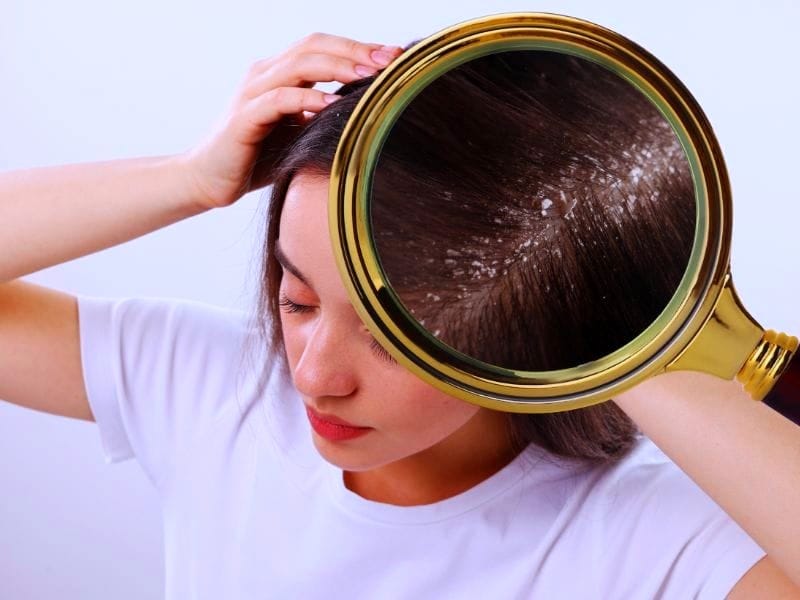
[336, 365]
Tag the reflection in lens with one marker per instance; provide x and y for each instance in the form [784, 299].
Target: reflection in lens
[533, 210]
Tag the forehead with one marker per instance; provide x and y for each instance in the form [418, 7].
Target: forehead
[304, 212]
[303, 230]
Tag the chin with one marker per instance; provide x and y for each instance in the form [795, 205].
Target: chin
[348, 456]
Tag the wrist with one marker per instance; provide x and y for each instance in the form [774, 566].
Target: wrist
[194, 196]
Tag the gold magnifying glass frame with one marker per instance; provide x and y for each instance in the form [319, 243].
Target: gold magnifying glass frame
[704, 327]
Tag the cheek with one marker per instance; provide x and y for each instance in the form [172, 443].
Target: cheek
[293, 340]
[415, 407]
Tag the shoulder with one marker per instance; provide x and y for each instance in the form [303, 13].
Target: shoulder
[154, 315]
[645, 489]
[649, 517]
[161, 373]
[644, 475]
[151, 329]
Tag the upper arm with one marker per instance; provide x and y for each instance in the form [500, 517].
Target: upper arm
[764, 580]
[40, 357]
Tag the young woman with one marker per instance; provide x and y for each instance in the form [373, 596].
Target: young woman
[315, 466]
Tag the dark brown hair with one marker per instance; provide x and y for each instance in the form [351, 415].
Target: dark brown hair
[513, 180]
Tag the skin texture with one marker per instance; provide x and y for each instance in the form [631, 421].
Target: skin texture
[425, 445]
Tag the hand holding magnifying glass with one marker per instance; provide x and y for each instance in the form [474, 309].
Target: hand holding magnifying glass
[557, 252]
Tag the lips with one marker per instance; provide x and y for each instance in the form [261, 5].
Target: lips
[332, 419]
[335, 429]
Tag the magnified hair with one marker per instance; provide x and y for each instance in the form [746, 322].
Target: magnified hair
[531, 209]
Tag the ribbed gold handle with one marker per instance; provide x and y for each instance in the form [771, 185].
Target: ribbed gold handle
[772, 374]
[767, 363]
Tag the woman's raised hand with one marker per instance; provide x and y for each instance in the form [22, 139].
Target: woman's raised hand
[111, 202]
[224, 165]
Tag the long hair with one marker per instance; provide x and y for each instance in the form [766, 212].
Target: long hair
[514, 179]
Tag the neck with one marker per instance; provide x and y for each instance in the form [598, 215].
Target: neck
[467, 457]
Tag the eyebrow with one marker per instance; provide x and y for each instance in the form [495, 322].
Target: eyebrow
[280, 256]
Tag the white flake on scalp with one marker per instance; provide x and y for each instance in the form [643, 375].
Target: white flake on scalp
[538, 213]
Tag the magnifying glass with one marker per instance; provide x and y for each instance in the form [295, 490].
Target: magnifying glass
[532, 213]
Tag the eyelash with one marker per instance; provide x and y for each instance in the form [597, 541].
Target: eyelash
[382, 352]
[290, 306]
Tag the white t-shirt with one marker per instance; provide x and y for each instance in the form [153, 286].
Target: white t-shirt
[251, 510]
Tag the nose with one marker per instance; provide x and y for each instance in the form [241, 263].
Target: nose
[325, 367]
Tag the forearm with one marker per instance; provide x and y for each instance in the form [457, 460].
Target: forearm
[49, 215]
[742, 453]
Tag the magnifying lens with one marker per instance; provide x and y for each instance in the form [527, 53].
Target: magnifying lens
[562, 233]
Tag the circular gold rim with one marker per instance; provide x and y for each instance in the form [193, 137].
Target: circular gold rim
[430, 359]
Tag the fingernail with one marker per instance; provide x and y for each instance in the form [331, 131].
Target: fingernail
[331, 98]
[382, 58]
[365, 71]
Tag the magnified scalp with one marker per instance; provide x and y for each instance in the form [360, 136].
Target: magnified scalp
[533, 210]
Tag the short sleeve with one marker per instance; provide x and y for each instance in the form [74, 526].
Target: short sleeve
[733, 553]
[157, 372]
[673, 539]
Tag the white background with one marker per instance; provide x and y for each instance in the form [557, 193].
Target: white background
[90, 80]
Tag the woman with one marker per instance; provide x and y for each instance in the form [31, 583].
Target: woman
[422, 494]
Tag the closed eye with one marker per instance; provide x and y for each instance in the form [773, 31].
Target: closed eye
[382, 352]
[290, 306]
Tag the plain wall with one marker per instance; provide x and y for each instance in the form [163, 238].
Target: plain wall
[89, 80]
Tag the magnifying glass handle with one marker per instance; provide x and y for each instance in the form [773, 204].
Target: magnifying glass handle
[772, 374]
[785, 394]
